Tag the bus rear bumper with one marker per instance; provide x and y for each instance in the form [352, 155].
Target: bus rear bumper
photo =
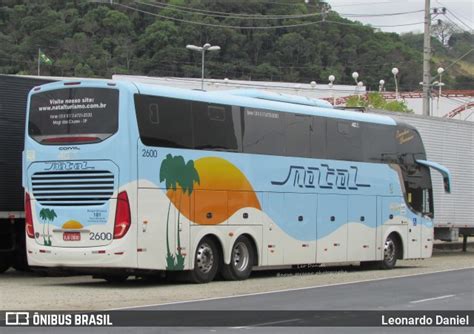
[111, 256]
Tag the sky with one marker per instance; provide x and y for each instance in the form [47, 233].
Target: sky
[460, 12]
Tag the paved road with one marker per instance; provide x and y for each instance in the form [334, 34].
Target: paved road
[450, 290]
[29, 291]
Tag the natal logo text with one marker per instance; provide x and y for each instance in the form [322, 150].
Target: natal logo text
[69, 165]
[323, 177]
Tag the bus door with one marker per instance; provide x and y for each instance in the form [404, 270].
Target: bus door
[362, 228]
[331, 229]
[414, 237]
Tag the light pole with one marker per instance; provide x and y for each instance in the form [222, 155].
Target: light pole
[355, 76]
[381, 84]
[395, 73]
[359, 87]
[331, 79]
[203, 49]
[440, 84]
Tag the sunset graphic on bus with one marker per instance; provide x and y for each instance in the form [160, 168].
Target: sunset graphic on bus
[222, 190]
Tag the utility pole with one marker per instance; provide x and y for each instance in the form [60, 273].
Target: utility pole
[426, 60]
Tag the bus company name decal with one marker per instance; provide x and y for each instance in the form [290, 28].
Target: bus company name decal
[68, 165]
[323, 177]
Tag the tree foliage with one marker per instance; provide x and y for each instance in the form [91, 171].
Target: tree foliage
[376, 100]
[97, 39]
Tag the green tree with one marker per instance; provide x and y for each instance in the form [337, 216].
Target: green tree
[94, 39]
[375, 100]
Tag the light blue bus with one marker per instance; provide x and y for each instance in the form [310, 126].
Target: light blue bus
[123, 178]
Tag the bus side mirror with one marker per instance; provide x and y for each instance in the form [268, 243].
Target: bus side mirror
[441, 169]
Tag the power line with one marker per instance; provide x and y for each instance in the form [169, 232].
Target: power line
[454, 23]
[257, 27]
[362, 4]
[464, 17]
[384, 14]
[468, 27]
[375, 26]
[195, 11]
[454, 62]
[216, 25]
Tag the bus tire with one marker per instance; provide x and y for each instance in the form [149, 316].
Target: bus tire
[241, 261]
[4, 263]
[206, 262]
[390, 253]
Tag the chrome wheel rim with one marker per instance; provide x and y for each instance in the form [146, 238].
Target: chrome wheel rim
[389, 250]
[205, 258]
[241, 256]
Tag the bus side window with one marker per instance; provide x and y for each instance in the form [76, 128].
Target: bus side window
[297, 135]
[264, 132]
[164, 121]
[318, 138]
[215, 127]
[344, 140]
[378, 143]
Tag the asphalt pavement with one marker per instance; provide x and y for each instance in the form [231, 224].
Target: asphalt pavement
[441, 291]
[448, 290]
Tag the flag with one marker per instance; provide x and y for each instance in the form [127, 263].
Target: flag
[44, 59]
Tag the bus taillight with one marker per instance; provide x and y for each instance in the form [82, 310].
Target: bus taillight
[30, 231]
[122, 216]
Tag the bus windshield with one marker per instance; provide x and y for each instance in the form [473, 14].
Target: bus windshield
[73, 115]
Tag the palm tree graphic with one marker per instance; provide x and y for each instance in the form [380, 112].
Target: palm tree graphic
[47, 216]
[177, 173]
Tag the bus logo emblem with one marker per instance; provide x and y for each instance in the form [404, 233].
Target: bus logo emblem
[323, 177]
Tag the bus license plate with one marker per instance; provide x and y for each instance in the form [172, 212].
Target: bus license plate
[72, 236]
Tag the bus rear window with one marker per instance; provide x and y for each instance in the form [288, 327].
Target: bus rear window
[73, 115]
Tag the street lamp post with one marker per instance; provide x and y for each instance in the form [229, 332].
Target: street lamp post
[381, 84]
[355, 76]
[440, 84]
[395, 73]
[331, 79]
[203, 49]
[359, 88]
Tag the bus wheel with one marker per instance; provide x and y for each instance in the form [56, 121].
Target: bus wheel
[390, 253]
[241, 261]
[206, 262]
[115, 278]
[4, 263]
